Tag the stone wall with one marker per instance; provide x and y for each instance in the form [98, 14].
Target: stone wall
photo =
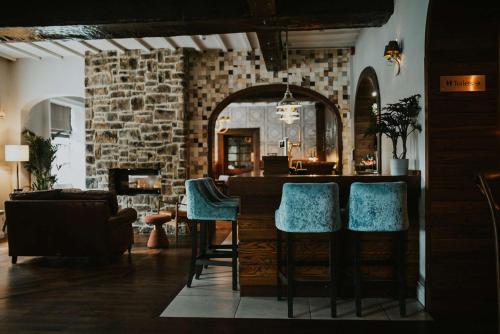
[214, 75]
[147, 110]
[135, 119]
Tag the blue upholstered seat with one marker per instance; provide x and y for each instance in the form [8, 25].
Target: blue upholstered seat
[309, 208]
[202, 205]
[378, 207]
[217, 195]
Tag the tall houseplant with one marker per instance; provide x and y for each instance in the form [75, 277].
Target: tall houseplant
[42, 156]
[398, 120]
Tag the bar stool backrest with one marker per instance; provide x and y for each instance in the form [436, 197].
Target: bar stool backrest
[202, 204]
[309, 208]
[378, 207]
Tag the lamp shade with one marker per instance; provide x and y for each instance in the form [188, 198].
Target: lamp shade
[17, 153]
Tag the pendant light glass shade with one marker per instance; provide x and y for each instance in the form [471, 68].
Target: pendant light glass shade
[288, 108]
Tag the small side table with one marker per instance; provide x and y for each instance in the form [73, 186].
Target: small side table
[158, 237]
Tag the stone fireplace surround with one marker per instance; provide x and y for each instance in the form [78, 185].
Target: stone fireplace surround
[149, 110]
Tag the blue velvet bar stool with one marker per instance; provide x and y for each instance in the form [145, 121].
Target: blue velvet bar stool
[306, 208]
[203, 207]
[375, 208]
[207, 233]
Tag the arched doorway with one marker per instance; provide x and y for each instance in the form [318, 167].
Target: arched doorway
[62, 119]
[273, 92]
[366, 103]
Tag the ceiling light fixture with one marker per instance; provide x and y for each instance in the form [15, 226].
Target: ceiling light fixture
[288, 108]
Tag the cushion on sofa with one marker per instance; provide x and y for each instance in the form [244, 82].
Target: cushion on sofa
[35, 195]
[93, 195]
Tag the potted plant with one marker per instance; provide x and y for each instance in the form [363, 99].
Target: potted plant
[42, 156]
[398, 120]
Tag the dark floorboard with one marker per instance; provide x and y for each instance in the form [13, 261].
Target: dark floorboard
[51, 295]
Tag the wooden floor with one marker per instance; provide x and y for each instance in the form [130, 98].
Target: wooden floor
[41, 295]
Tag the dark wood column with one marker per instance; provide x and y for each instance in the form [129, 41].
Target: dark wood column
[462, 138]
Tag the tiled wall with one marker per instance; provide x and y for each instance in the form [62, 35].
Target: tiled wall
[213, 76]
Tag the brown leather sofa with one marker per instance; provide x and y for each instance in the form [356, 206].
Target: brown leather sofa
[64, 223]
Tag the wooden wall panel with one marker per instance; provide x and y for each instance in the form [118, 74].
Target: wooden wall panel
[462, 137]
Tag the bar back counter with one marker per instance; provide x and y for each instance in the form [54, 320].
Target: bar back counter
[260, 197]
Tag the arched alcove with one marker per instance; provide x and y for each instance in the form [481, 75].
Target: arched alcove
[367, 96]
[62, 119]
[272, 92]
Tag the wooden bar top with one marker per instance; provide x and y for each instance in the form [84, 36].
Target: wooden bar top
[261, 194]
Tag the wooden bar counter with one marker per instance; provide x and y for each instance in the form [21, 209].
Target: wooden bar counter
[261, 196]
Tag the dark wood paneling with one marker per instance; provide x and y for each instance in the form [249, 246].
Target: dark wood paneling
[150, 18]
[260, 197]
[462, 137]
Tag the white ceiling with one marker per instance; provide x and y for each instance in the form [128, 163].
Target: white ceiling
[335, 38]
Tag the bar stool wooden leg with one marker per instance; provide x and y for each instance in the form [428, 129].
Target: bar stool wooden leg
[290, 270]
[279, 285]
[234, 248]
[357, 272]
[333, 278]
[402, 273]
[194, 253]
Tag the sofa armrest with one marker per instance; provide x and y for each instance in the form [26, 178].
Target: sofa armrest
[124, 216]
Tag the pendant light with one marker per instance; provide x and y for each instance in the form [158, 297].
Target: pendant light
[288, 108]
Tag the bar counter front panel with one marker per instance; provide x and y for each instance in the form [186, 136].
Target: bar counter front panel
[261, 196]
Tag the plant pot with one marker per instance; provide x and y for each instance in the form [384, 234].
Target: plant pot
[399, 166]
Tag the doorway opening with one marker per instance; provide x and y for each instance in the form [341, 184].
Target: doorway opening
[367, 148]
[62, 119]
[251, 114]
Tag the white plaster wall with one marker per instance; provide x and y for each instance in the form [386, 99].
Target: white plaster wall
[5, 124]
[24, 83]
[407, 25]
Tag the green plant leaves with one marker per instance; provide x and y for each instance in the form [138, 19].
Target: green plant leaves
[42, 156]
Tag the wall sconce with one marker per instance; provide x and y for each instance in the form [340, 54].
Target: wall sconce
[222, 124]
[392, 53]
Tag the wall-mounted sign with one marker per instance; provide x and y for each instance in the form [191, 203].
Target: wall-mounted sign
[462, 83]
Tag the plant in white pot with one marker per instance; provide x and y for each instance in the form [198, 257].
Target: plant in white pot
[398, 120]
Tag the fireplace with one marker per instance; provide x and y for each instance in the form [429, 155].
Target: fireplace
[126, 181]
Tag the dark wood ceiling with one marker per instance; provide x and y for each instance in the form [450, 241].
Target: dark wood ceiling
[97, 19]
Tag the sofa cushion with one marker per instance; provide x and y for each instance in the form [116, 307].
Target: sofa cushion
[93, 195]
[35, 195]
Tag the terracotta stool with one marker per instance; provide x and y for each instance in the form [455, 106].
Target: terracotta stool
[158, 237]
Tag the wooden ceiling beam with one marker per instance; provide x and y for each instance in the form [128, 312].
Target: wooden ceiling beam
[19, 50]
[270, 41]
[193, 17]
[3, 55]
[198, 43]
[148, 47]
[171, 43]
[116, 45]
[73, 51]
[50, 52]
[90, 46]
[221, 42]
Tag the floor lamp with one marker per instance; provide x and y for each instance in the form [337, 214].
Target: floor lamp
[17, 153]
